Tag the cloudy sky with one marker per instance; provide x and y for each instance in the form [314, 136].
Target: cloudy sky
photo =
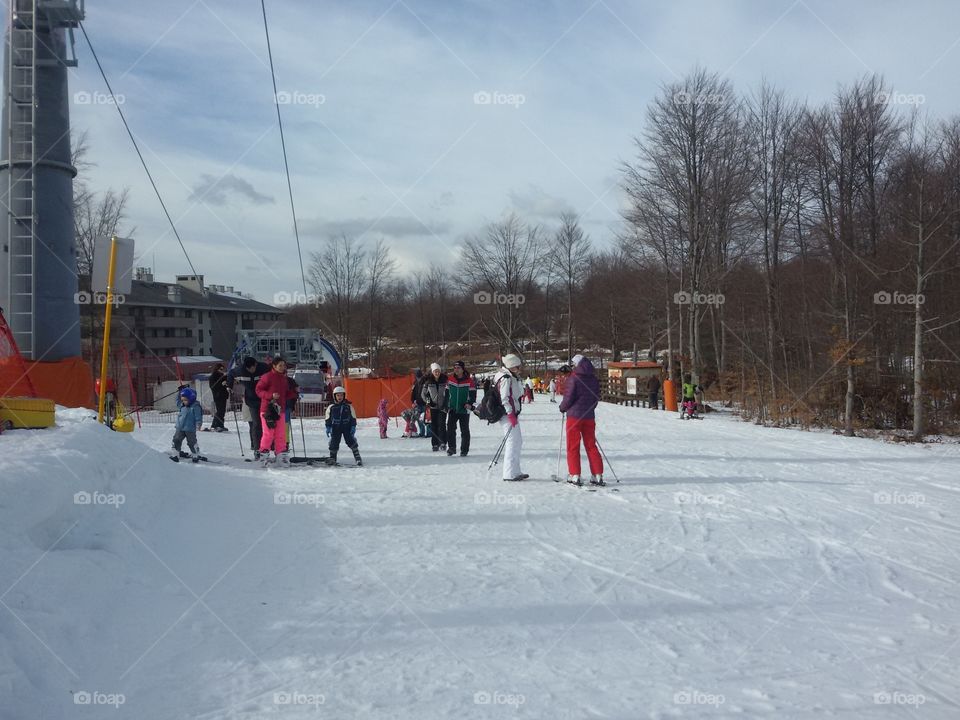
[419, 121]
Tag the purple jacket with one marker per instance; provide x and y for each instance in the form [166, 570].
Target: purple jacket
[581, 392]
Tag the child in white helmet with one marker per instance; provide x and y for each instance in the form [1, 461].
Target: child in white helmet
[507, 383]
[341, 422]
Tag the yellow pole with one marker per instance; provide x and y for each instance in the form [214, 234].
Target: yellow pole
[106, 329]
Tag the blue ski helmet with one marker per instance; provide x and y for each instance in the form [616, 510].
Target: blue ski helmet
[190, 394]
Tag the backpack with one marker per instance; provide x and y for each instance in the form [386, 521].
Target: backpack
[491, 407]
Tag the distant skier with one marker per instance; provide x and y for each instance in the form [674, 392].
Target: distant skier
[221, 393]
[507, 384]
[383, 417]
[461, 397]
[688, 405]
[189, 422]
[274, 391]
[249, 374]
[553, 390]
[433, 395]
[580, 397]
[528, 390]
[653, 392]
[341, 423]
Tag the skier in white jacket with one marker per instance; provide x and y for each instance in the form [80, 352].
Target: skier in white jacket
[507, 382]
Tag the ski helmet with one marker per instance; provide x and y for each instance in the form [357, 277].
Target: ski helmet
[339, 390]
[512, 361]
[190, 394]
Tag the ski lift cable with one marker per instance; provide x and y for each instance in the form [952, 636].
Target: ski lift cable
[136, 147]
[283, 146]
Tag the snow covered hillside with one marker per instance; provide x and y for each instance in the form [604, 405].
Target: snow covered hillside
[735, 571]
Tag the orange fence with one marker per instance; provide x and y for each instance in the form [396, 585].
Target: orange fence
[67, 382]
[366, 393]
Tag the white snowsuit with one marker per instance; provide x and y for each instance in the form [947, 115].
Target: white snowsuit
[510, 391]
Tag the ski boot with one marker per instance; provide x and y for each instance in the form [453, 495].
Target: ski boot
[597, 480]
[575, 480]
[451, 451]
[195, 456]
[356, 456]
[175, 454]
[266, 460]
[283, 459]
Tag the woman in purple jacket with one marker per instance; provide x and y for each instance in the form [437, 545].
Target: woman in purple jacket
[580, 398]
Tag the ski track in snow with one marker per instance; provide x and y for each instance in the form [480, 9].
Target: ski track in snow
[736, 571]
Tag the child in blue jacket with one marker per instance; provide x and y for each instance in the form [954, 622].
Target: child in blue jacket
[189, 421]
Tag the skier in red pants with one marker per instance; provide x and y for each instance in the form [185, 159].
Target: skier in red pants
[580, 398]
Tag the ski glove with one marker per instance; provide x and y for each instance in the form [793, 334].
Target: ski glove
[513, 420]
[329, 431]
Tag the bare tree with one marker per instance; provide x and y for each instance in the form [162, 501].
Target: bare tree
[772, 125]
[337, 274]
[505, 262]
[379, 271]
[569, 259]
[925, 204]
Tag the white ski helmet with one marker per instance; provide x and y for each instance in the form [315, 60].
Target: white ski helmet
[435, 366]
[575, 360]
[512, 361]
[339, 390]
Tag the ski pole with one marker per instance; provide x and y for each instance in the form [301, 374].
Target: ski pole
[155, 400]
[607, 460]
[563, 417]
[237, 423]
[503, 443]
[302, 435]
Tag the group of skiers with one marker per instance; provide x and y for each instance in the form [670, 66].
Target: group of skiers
[449, 400]
[269, 396]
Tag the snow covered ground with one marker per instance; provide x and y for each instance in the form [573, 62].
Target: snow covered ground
[735, 571]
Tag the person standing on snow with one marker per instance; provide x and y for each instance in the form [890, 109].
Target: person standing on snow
[507, 383]
[341, 423]
[653, 392]
[274, 391]
[416, 397]
[553, 390]
[383, 417]
[220, 392]
[580, 397]
[434, 396]
[189, 422]
[249, 374]
[461, 397]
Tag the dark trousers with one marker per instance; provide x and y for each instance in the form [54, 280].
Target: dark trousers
[438, 428]
[336, 435]
[653, 400]
[464, 421]
[256, 429]
[221, 412]
[190, 436]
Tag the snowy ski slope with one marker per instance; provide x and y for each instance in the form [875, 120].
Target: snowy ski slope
[735, 571]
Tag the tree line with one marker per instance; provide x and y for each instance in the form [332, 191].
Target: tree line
[799, 261]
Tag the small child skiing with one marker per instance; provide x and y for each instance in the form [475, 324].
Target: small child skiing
[689, 401]
[383, 417]
[189, 422]
[341, 422]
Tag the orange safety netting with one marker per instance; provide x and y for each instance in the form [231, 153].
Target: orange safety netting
[67, 382]
[14, 380]
[366, 393]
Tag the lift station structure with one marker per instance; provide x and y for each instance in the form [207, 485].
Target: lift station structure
[38, 254]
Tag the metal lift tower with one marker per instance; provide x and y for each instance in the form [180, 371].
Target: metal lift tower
[38, 259]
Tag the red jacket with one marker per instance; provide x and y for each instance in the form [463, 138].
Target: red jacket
[274, 382]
